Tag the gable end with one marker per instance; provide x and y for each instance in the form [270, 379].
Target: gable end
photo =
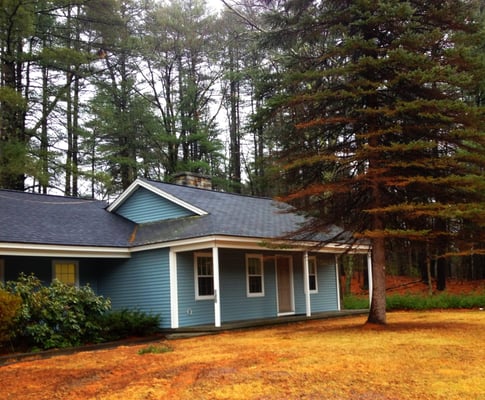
[145, 206]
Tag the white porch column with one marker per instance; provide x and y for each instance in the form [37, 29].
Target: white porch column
[306, 284]
[369, 275]
[174, 301]
[217, 299]
[337, 281]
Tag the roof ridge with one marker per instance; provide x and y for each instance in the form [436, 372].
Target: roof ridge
[48, 195]
[151, 181]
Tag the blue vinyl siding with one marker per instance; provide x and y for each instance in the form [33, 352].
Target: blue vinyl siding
[327, 297]
[141, 283]
[145, 206]
[191, 311]
[235, 304]
[41, 267]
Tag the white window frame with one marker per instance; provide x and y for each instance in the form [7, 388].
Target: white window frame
[2, 271]
[259, 257]
[66, 261]
[196, 276]
[312, 260]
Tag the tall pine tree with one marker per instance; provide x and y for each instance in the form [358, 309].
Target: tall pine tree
[377, 133]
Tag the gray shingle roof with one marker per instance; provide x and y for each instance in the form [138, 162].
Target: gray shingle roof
[228, 214]
[57, 220]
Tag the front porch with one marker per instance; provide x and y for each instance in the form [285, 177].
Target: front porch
[255, 323]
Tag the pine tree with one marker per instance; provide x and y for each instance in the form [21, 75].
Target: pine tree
[377, 132]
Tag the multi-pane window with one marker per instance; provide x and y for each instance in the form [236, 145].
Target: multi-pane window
[255, 277]
[204, 276]
[312, 274]
[66, 272]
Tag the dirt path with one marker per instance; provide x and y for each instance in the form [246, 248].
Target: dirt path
[429, 355]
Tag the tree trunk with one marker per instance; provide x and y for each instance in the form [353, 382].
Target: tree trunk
[441, 274]
[377, 312]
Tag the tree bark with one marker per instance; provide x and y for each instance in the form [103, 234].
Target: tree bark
[377, 312]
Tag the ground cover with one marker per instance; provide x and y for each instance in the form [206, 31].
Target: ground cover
[419, 355]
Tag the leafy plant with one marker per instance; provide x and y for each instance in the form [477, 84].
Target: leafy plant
[10, 305]
[125, 323]
[58, 315]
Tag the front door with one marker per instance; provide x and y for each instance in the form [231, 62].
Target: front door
[284, 279]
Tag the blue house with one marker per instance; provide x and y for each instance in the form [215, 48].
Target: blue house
[193, 255]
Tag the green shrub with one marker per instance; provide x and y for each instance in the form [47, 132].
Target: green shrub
[396, 302]
[437, 301]
[355, 303]
[58, 315]
[10, 305]
[126, 323]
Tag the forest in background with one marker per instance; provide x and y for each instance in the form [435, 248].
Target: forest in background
[95, 93]
[364, 114]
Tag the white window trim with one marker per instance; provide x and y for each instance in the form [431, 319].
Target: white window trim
[196, 276]
[2, 270]
[66, 261]
[314, 260]
[260, 257]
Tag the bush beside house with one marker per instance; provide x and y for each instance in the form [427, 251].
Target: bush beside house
[34, 316]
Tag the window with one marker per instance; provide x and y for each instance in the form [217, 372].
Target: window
[204, 276]
[254, 273]
[66, 271]
[2, 271]
[312, 274]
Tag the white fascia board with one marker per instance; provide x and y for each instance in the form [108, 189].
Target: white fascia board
[140, 183]
[45, 250]
[235, 242]
[123, 196]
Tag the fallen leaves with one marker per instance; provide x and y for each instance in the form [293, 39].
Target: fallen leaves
[425, 355]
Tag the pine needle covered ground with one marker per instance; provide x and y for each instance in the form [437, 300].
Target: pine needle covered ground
[419, 355]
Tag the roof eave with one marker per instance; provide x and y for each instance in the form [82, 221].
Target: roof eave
[71, 251]
[252, 243]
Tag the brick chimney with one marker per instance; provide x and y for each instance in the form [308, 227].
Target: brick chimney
[193, 179]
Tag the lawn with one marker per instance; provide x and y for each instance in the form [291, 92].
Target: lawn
[419, 355]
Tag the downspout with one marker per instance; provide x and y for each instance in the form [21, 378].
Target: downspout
[306, 285]
[216, 280]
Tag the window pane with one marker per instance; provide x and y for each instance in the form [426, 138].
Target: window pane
[204, 266]
[311, 266]
[254, 266]
[206, 286]
[313, 282]
[205, 279]
[254, 275]
[65, 272]
[312, 274]
[255, 284]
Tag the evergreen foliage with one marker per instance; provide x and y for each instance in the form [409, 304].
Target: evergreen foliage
[378, 133]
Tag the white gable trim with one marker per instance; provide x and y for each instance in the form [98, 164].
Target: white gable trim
[141, 183]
